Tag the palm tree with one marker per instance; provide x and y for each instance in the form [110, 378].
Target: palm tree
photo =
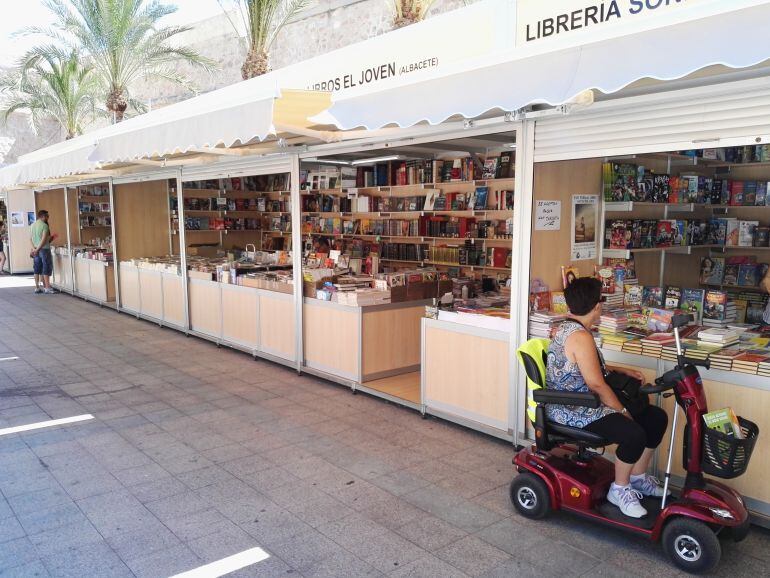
[52, 84]
[263, 20]
[410, 11]
[123, 42]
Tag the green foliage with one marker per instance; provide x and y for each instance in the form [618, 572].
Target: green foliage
[52, 85]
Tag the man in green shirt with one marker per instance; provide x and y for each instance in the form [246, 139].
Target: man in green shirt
[42, 260]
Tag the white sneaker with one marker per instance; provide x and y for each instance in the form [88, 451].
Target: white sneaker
[49, 291]
[648, 485]
[627, 499]
[38, 291]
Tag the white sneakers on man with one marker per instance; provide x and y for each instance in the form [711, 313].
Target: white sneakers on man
[627, 499]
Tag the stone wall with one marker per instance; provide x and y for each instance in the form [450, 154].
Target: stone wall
[325, 26]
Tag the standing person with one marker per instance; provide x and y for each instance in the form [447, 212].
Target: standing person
[765, 284]
[42, 264]
[3, 258]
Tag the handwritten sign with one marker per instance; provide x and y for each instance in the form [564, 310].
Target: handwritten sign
[547, 215]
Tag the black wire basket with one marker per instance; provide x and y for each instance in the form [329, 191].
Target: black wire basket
[726, 456]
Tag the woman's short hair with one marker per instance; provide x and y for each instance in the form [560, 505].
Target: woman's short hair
[583, 294]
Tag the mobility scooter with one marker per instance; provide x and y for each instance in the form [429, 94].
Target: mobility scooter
[559, 472]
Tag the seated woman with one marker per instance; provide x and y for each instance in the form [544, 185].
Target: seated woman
[573, 365]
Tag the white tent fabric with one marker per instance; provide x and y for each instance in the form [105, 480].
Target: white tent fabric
[736, 39]
[241, 113]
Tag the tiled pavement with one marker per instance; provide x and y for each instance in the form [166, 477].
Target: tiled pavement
[197, 453]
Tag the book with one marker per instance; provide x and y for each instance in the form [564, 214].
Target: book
[731, 238]
[746, 233]
[568, 275]
[559, 303]
[505, 166]
[664, 236]
[725, 421]
[692, 302]
[480, 201]
[652, 296]
[712, 270]
[606, 275]
[618, 235]
[747, 275]
[490, 168]
[632, 295]
[673, 297]
[715, 305]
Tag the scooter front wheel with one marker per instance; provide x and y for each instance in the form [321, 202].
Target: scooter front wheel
[691, 545]
[530, 496]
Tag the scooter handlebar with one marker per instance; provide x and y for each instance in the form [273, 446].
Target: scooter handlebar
[659, 387]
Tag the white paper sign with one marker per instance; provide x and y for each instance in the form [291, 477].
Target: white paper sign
[584, 227]
[547, 215]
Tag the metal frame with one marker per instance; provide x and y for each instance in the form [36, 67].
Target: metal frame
[296, 258]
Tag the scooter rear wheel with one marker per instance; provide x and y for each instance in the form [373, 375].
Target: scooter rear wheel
[530, 496]
[691, 545]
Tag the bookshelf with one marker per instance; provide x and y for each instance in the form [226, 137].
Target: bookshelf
[234, 212]
[94, 214]
[403, 224]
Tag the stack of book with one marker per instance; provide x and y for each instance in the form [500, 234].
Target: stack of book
[615, 341]
[652, 345]
[690, 348]
[723, 359]
[633, 346]
[613, 321]
[763, 368]
[668, 352]
[542, 323]
[612, 300]
[749, 360]
[717, 338]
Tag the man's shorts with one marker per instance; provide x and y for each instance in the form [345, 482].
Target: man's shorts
[42, 264]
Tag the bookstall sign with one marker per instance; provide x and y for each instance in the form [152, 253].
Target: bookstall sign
[583, 235]
[564, 23]
[548, 216]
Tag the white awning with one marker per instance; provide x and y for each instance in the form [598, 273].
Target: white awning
[735, 39]
[236, 115]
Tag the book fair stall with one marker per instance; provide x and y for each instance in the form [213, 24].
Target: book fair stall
[381, 239]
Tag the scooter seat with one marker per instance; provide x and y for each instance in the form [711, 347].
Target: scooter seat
[577, 435]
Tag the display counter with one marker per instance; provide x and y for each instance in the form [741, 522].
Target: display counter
[155, 295]
[361, 344]
[62, 278]
[466, 371]
[748, 395]
[257, 321]
[93, 279]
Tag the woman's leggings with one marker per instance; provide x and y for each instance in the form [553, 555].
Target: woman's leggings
[632, 435]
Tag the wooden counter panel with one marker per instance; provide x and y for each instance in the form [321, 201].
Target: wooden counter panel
[173, 300]
[391, 340]
[277, 334]
[753, 404]
[129, 288]
[83, 276]
[205, 307]
[102, 282]
[151, 294]
[240, 316]
[469, 373]
[331, 339]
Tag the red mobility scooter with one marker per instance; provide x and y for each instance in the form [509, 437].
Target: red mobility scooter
[559, 472]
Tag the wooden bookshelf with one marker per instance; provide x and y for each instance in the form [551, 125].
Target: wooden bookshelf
[316, 216]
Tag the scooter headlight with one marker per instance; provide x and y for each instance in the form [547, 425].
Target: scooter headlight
[722, 513]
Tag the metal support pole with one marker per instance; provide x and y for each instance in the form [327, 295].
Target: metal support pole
[113, 225]
[183, 250]
[69, 240]
[521, 257]
[296, 257]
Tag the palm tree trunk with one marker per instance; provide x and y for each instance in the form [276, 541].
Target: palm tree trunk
[116, 104]
[257, 63]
